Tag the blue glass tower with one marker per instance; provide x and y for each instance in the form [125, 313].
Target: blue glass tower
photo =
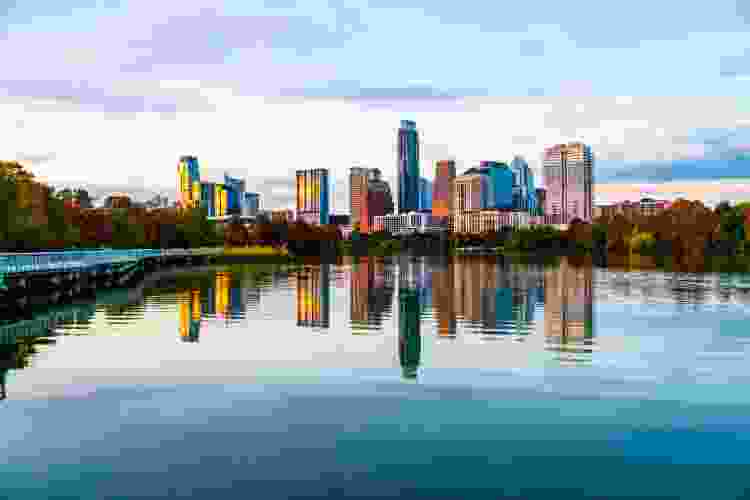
[408, 167]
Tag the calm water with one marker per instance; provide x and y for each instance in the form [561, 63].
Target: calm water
[381, 378]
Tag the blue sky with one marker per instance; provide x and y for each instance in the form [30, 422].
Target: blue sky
[483, 80]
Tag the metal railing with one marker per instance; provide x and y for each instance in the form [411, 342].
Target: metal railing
[76, 260]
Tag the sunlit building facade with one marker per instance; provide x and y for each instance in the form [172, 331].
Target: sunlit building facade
[313, 195]
[445, 172]
[189, 188]
[568, 176]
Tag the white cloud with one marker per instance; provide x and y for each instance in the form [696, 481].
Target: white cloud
[273, 137]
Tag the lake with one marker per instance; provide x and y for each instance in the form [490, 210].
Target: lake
[469, 377]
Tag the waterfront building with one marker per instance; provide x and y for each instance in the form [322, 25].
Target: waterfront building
[415, 222]
[492, 220]
[445, 172]
[188, 178]
[568, 176]
[408, 167]
[313, 195]
[235, 193]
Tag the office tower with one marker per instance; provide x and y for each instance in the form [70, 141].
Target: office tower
[541, 199]
[188, 176]
[313, 195]
[568, 176]
[370, 196]
[408, 167]
[220, 199]
[500, 188]
[235, 192]
[358, 188]
[250, 204]
[425, 195]
[208, 197]
[445, 172]
[523, 184]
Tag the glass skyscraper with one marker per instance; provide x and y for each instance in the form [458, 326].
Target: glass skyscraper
[408, 167]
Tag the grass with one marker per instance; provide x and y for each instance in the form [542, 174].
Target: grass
[255, 251]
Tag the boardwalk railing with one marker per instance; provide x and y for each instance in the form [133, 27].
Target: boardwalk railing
[77, 260]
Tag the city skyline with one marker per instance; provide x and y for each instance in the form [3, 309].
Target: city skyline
[327, 65]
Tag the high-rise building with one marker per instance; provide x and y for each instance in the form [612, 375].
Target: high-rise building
[208, 197]
[220, 200]
[408, 167]
[425, 195]
[500, 189]
[568, 176]
[188, 178]
[235, 193]
[445, 172]
[313, 195]
[524, 197]
[358, 188]
[470, 191]
[370, 197]
[250, 204]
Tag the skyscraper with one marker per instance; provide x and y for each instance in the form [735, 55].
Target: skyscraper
[250, 204]
[523, 185]
[408, 167]
[568, 176]
[445, 171]
[425, 195]
[208, 197]
[235, 193]
[188, 178]
[358, 187]
[313, 195]
[370, 196]
[500, 190]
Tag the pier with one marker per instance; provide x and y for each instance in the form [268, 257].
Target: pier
[48, 278]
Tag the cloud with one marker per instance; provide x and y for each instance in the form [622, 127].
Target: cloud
[36, 159]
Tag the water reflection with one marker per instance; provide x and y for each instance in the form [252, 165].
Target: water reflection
[372, 291]
[314, 296]
[568, 311]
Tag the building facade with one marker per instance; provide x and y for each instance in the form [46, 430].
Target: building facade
[208, 198]
[425, 195]
[489, 221]
[469, 192]
[445, 172]
[188, 182]
[250, 204]
[524, 196]
[568, 175]
[500, 188]
[408, 167]
[313, 194]
[358, 190]
[235, 194]
[412, 222]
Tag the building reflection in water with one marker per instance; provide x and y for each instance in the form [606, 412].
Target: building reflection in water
[411, 295]
[190, 315]
[493, 296]
[372, 292]
[313, 296]
[568, 311]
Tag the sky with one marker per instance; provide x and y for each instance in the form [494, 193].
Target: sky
[112, 93]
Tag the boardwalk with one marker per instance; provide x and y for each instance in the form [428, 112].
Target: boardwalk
[81, 260]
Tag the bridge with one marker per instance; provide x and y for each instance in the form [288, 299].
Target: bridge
[82, 260]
